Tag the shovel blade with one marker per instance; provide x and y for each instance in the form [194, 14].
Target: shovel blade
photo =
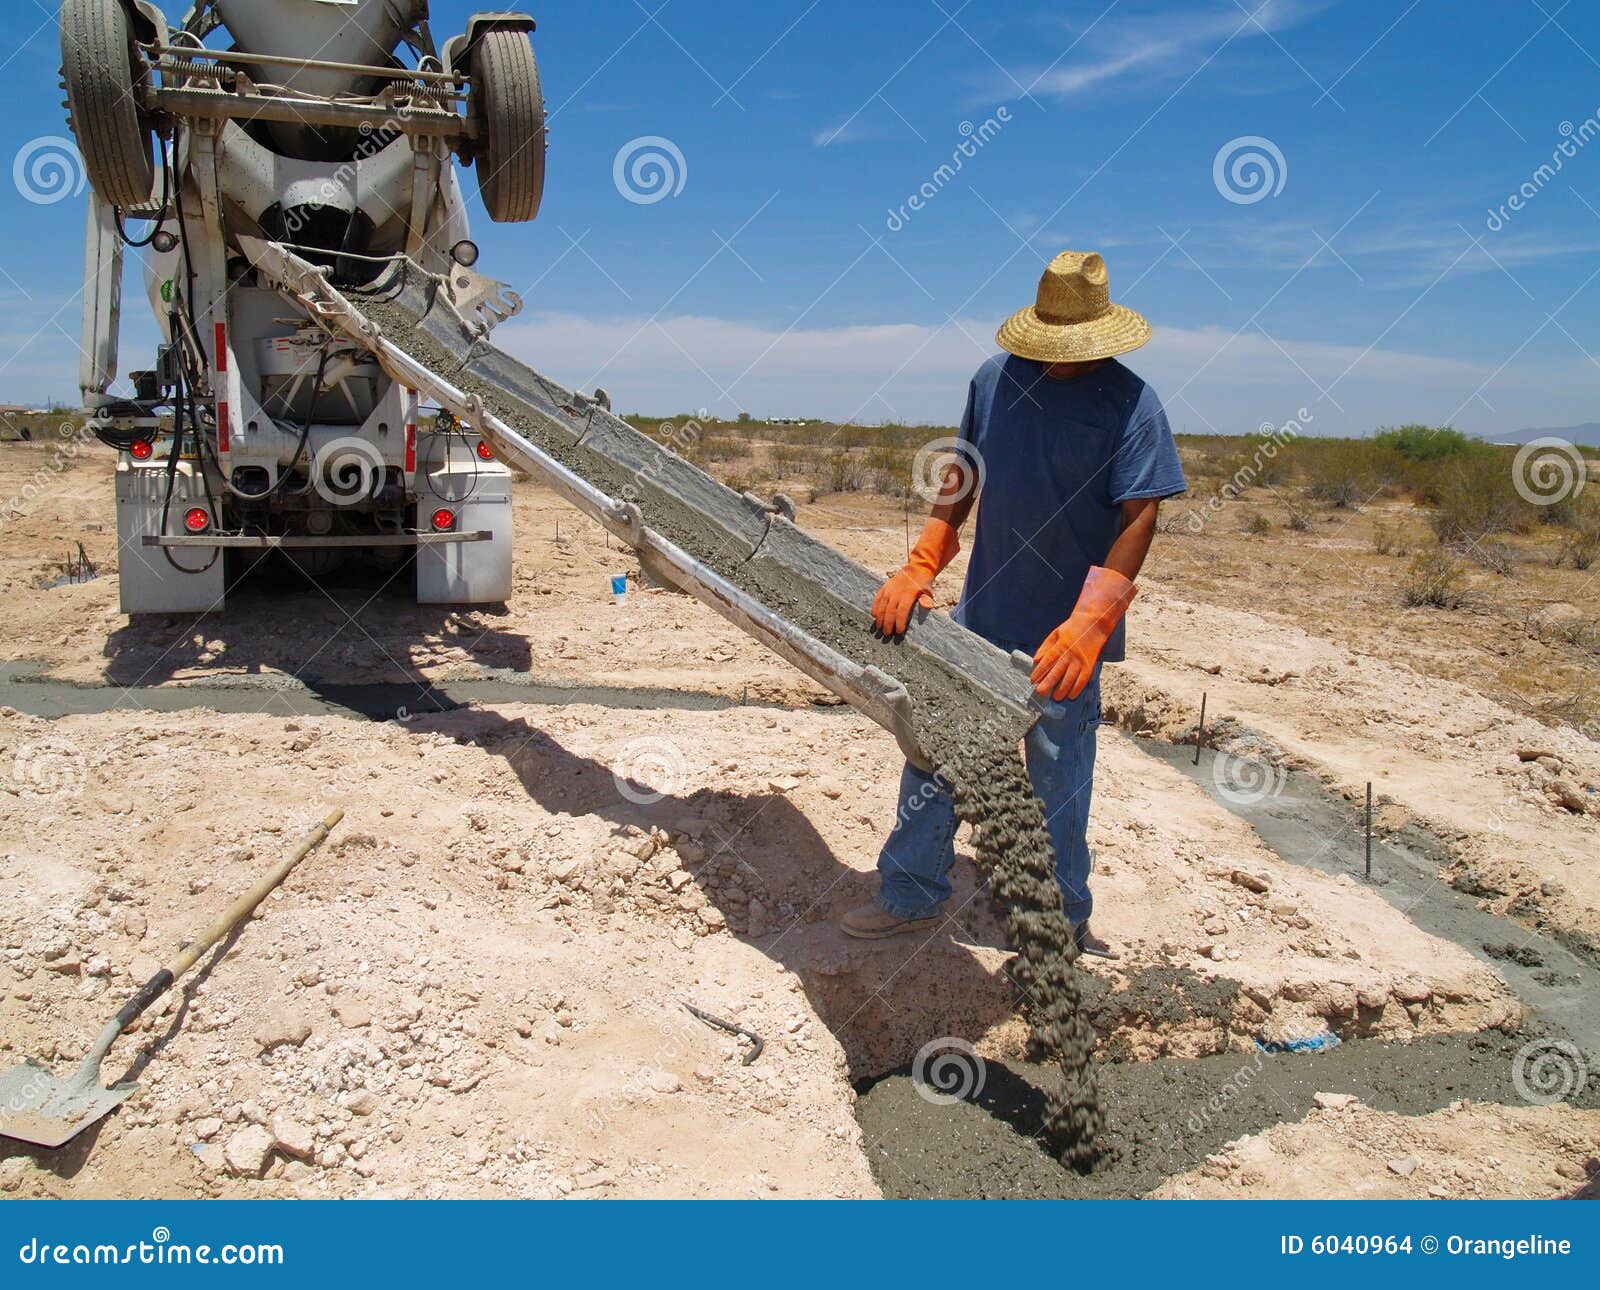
[38, 1107]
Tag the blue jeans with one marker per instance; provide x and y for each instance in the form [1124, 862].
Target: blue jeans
[914, 864]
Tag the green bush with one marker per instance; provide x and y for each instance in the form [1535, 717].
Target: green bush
[1257, 524]
[1429, 443]
[1474, 497]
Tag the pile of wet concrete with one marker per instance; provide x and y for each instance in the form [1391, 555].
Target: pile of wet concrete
[1162, 1118]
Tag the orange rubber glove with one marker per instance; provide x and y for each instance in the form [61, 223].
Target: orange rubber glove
[913, 585]
[1065, 662]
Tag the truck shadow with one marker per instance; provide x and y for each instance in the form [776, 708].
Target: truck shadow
[290, 624]
[883, 1000]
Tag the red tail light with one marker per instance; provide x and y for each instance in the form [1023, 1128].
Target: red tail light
[141, 449]
[444, 520]
[197, 519]
[485, 451]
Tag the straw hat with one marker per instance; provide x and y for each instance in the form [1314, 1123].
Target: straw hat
[1073, 320]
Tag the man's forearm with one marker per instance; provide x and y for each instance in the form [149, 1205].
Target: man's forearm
[1133, 543]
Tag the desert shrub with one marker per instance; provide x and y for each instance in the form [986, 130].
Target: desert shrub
[846, 474]
[1341, 472]
[1429, 443]
[1474, 497]
[748, 480]
[889, 469]
[1580, 547]
[726, 448]
[1435, 578]
[1257, 524]
[787, 458]
[1491, 554]
[1383, 539]
[1299, 521]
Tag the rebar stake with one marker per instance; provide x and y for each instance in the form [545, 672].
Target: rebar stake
[1369, 828]
[1200, 735]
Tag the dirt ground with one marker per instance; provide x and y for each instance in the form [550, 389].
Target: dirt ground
[476, 987]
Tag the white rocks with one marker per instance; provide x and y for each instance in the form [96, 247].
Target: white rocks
[1255, 882]
[1335, 1101]
[207, 1128]
[282, 1028]
[293, 1138]
[1404, 1166]
[713, 917]
[248, 1152]
[353, 1013]
[664, 1081]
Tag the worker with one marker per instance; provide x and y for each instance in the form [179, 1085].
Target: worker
[1072, 455]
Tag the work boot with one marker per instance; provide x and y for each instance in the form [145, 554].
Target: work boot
[1089, 943]
[869, 923]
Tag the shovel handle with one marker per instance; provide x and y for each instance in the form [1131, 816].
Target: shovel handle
[245, 905]
[241, 909]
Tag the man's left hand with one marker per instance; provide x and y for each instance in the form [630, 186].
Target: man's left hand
[1063, 665]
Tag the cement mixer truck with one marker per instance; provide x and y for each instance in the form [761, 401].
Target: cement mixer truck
[286, 169]
[332, 127]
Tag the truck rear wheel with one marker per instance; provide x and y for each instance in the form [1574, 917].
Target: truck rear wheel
[101, 70]
[509, 108]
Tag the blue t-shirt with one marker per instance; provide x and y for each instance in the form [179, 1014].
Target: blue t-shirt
[1057, 460]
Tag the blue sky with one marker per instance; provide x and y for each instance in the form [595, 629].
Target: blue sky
[1366, 286]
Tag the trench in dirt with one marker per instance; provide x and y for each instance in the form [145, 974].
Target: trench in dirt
[1162, 1117]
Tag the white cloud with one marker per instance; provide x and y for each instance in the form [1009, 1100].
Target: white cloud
[1156, 45]
[918, 374]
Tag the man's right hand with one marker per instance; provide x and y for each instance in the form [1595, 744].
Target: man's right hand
[913, 585]
[891, 609]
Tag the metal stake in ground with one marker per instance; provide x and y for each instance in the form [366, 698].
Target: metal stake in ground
[1200, 735]
[37, 1107]
[1369, 828]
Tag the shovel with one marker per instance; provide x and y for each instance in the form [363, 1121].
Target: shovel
[37, 1107]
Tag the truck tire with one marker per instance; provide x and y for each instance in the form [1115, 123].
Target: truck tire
[509, 108]
[101, 71]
